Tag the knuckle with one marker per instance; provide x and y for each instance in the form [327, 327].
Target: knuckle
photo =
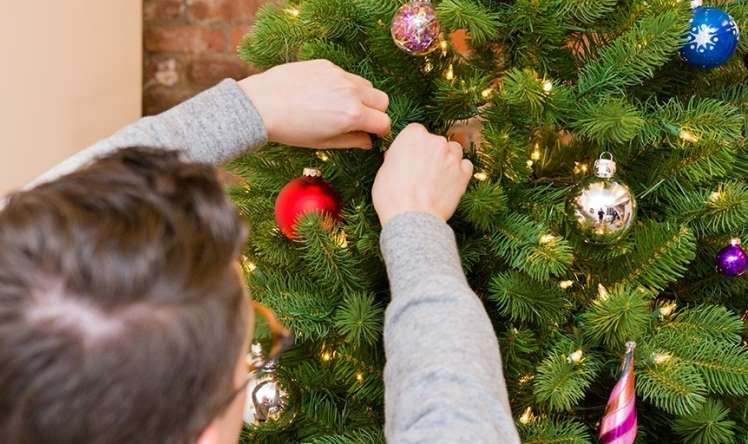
[353, 113]
[348, 85]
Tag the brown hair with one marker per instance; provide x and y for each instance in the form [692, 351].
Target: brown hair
[121, 315]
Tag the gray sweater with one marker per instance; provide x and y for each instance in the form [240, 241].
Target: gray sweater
[443, 377]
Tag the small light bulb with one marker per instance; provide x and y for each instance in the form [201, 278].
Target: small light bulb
[668, 309]
[360, 377]
[326, 356]
[662, 358]
[529, 163]
[247, 264]
[526, 378]
[715, 196]
[487, 93]
[584, 168]
[481, 175]
[547, 86]
[602, 292]
[342, 240]
[535, 155]
[565, 284]
[547, 238]
[576, 357]
[450, 74]
[444, 46]
[321, 155]
[527, 416]
[688, 136]
[293, 12]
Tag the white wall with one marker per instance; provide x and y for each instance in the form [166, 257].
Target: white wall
[70, 73]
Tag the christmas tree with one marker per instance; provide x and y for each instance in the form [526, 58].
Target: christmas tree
[537, 90]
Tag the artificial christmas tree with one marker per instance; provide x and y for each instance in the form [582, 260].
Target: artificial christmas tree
[553, 84]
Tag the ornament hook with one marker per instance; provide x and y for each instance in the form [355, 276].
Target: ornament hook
[605, 168]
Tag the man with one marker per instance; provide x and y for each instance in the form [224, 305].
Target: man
[122, 314]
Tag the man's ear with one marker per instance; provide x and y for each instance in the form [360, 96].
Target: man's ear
[211, 434]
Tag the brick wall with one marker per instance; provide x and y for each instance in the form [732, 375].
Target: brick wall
[190, 45]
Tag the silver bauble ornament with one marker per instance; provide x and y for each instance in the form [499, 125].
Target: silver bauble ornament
[268, 399]
[601, 208]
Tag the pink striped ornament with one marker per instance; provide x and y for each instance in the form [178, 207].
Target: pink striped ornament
[619, 423]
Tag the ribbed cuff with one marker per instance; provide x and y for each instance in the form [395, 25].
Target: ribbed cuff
[418, 246]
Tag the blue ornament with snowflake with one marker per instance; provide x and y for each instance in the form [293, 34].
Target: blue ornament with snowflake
[712, 38]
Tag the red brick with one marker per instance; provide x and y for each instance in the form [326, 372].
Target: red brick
[209, 69]
[221, 10]
[192, 39]
[237, 35]
[159, 98]
[155, 10]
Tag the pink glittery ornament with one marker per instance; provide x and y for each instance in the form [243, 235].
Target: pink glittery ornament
[415, 28]
[619, 424]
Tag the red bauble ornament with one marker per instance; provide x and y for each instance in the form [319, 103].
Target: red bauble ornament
[309, 193]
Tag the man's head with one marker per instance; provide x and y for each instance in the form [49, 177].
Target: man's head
[122, 315]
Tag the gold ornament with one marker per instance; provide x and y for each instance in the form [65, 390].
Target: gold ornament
[601, 208]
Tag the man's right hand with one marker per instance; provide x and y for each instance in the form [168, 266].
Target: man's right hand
[422, 172]
[316, 104]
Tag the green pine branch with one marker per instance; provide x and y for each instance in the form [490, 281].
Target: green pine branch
[531, 247]
[360, 320]
[481, 23]
[277, 35]
[674, 387]
[586, 11]
[327, 255]
[660, 255]
[483, 204]
[362, 436]
[609, 120]
[636, 55]
[706, 321]
[523, 299]
[720, 211]
[301, 305]
[563, 377]
[333, 19]
[621, 315]
[547, 430]
[709, 425]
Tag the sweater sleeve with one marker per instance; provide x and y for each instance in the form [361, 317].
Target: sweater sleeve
[443, 378]
[213, 127]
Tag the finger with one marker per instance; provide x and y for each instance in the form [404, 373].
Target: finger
[374, 121]
[455, 149]
[360, 81]
[467, 168]
[440, 144]
[356, 139]
[414, 128]
[374, 98]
